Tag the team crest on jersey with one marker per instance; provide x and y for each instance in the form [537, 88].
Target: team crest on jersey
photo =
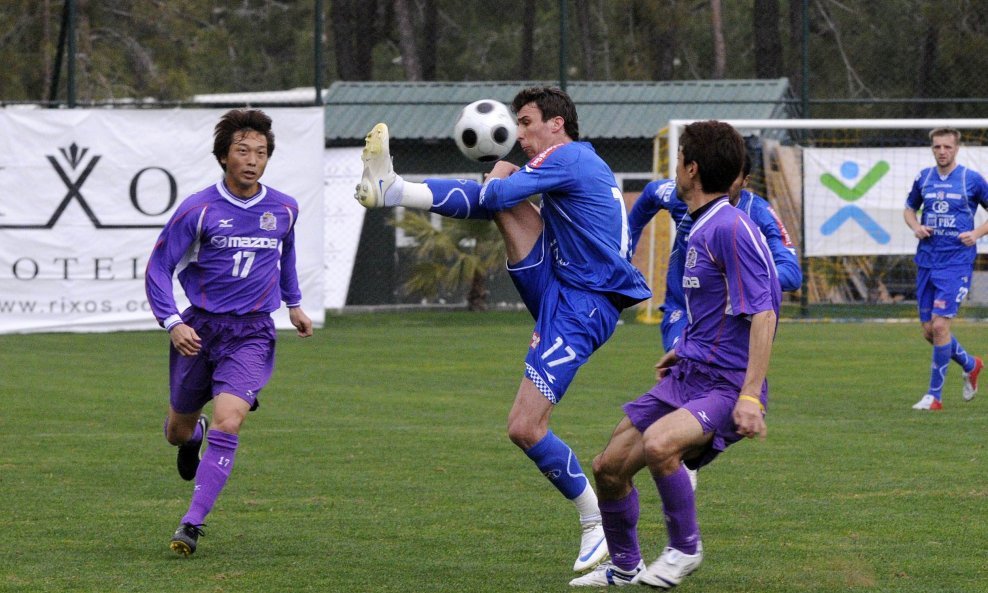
[268, 222]
[691, 257]
[676, 316]
[535, 340]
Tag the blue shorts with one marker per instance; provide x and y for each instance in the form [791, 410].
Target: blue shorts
[570, 323]
[941, 291]
[709, 394]
[237, 357]
[673, 323]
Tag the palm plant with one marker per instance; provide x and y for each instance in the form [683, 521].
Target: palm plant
[461, 254]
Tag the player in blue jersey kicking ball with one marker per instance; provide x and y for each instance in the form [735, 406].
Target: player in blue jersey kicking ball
[236, 241]
[569, 256]
[713, 391]
[949, 195]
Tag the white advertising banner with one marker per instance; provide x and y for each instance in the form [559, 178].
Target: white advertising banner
[854, 198]
[84, 194]
[344, 221]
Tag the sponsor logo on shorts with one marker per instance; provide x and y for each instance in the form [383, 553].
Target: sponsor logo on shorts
[535, 340]
[939, 304]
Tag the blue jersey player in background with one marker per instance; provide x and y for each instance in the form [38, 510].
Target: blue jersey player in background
[234, 246]
[713, 391]
[662, 195]
[948, 196]
[569, 257]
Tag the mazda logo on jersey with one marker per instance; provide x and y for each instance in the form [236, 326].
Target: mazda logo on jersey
[77, 165]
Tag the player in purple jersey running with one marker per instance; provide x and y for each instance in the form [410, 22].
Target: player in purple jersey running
[234, 243]
[948, 195]
[713, 392]
[569, 257]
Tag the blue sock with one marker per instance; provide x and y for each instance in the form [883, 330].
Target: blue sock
[557, 462]
[938, 371]
[457, 198]
[959, 355]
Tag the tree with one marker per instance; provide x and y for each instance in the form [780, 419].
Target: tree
[717, 32]
[353, 51]
[768, 43]
[462, 254]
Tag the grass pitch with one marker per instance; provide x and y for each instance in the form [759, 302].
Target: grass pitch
[378, 462]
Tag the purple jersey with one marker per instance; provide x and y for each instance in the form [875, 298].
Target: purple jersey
[729, 276]
[235, 256]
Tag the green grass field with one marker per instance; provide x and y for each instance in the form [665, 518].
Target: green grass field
[378, 462]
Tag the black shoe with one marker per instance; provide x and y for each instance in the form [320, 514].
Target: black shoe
[190, 453]
[185, 539]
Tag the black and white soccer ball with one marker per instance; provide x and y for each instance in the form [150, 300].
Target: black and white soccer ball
[485, 131]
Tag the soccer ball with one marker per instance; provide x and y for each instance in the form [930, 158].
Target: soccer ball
[485, 131]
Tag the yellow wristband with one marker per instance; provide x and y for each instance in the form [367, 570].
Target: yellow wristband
[754, 399]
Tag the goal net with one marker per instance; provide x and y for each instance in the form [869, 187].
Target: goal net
[839, 186]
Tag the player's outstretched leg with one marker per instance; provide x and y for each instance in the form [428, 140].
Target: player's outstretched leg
[190, 453]
[186, 538]
[379, 186]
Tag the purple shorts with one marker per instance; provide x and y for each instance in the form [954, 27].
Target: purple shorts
[237, 357]
[709, 393]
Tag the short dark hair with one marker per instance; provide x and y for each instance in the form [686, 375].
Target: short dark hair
[240, 120]
[552, 102]
[946, 132]
[717, 149]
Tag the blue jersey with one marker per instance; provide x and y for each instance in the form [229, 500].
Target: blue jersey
[661, 195]
[584, 216]
[729, 277]
[236, 256]
[779, 242]
[949, 205]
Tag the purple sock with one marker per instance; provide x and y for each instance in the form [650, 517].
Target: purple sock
[214, 469]
[620, 520]
[679, 506]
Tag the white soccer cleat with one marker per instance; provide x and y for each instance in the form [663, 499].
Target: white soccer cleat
[593, 547]
[378, 174]
[607, 574]
[928, 402]
[670, 568]
[971, 379]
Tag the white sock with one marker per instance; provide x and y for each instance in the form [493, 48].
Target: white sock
[414, 195]
[586, 505]
[392, 195]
